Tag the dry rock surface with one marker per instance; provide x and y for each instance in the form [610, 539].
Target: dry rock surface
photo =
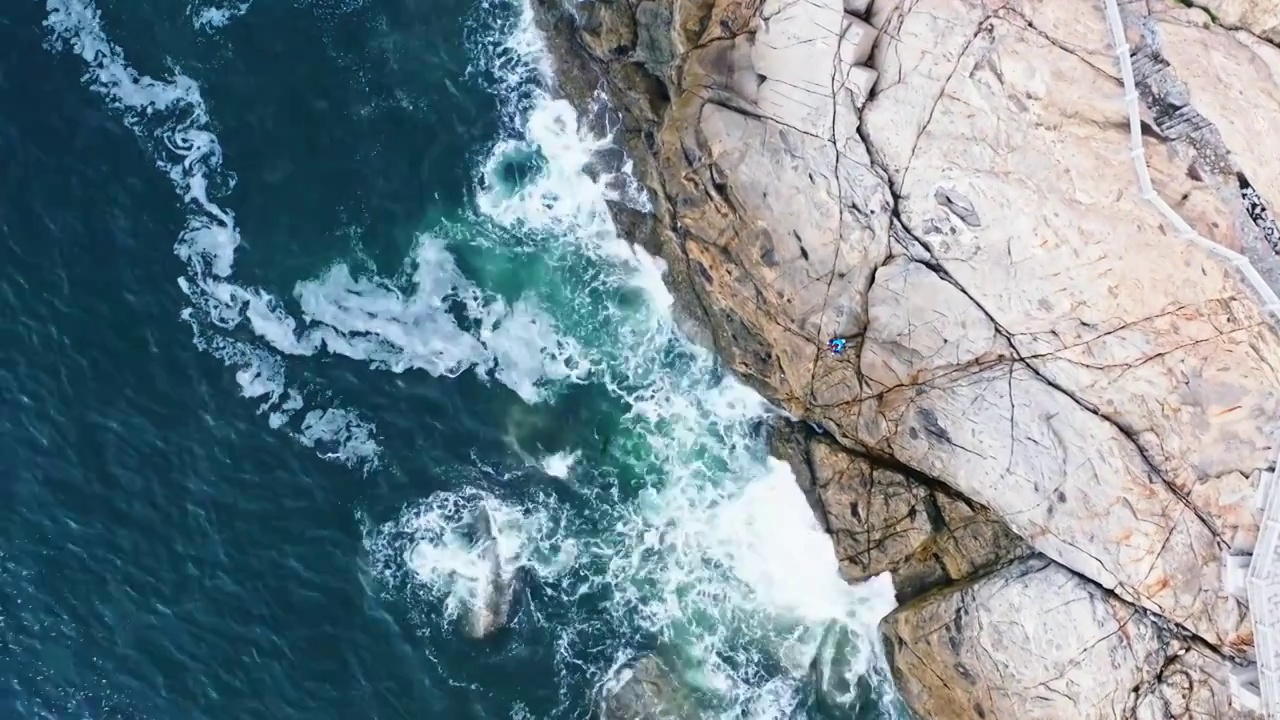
[996, 649]
[1054, 411]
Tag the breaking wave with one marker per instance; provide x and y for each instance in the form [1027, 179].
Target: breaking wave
[700, 543]
[704, 544]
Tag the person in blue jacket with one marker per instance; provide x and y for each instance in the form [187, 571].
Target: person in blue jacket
[836, 345]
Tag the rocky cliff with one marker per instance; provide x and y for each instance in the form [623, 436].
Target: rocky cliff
[1054, 410]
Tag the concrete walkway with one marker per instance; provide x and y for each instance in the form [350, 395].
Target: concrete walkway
[1256, 576]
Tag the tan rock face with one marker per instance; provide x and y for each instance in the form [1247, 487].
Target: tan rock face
[1035, 337]
[1232, 80]
[1259, 17]
[1133, 382]
[1036, 641]
[948, 184]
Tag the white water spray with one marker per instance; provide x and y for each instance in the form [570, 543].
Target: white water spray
[716, 555]
[719, 555]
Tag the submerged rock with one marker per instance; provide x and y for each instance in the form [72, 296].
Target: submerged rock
[497, 586]
[648, 690]
[843, 681]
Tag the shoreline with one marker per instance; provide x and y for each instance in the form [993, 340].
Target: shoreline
[683, 78]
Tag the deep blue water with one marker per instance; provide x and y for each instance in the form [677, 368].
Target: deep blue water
[283, 302]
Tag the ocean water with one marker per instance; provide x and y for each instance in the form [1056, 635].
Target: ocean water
[291, 290]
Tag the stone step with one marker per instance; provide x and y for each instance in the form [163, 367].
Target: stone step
[1245, 686]
[1182, 122]
[1265, 485]
[1235, 574]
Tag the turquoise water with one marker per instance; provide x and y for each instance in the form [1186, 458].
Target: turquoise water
[291, 291]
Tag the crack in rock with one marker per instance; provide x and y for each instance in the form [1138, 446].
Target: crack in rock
[755, 278]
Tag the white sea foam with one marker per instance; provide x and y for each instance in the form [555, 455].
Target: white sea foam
[563, 198]
[720, 554]
[213, 17]
[741, 566]
[559, 465]
[529, 351]
[365, 318]
[373, 320]
[170, 117]
[431, 549]
[717, 555]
